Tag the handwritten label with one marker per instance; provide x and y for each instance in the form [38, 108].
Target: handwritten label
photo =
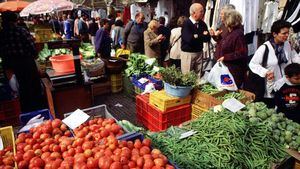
[233, 105]
[76, 119]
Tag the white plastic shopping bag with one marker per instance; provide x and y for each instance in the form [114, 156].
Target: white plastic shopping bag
[220, 77]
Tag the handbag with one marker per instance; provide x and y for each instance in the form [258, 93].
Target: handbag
[256, 84]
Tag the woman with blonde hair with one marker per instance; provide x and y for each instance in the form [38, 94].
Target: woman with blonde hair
[152, 40]
[233, 48]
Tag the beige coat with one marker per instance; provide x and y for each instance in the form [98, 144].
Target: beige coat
[152, 45]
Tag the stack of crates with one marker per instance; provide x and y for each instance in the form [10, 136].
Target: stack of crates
[159, 111]
[116, 81]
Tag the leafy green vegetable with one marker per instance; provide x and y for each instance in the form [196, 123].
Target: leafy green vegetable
[87, 50]
[175, 77]
[236, 95]
[138, 64]
[208, 89]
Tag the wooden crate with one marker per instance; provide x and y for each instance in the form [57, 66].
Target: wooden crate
[206, 101]
[8, 138]
[197, 111]
[249, 97]
[163, 101]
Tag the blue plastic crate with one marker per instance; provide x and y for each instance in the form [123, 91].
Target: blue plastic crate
[158, 84]
[135, 135]
[24, 118]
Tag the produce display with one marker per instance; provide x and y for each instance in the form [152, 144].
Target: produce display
[209, 89]
[52, 146]
[7, 158]
[175, 77]
[87, 50]
[46, 53]
[236, 95]
[224, 140]
[138, 64]
[285, 131]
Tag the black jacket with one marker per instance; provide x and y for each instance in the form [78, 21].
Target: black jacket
[192, 38]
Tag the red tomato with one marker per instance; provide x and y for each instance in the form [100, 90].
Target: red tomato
[92, 163]
[23, 164]
[115, 165]
[144, 150]
[28, 155]
[56, 123]
[147, 142]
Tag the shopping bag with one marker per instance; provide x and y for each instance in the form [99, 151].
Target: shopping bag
[123, 53]
[221, 78]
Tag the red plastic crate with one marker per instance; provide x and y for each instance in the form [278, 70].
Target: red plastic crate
[157, 120]
[9, 112]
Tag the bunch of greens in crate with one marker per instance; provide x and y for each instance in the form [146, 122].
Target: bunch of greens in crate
[223, 140]
[208, 89]
[46, 53]
[138, 64]
[87, 50]
[236, 95]
[175, 77]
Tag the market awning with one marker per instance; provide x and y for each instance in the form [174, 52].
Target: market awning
[47, 6]
[15, 6]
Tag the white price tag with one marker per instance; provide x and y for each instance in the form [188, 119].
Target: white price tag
[187, 134]
[150, 61]
[143, 80]
[156, 69]
[233, 105]
[76, 119]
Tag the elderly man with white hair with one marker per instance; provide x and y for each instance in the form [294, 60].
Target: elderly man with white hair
[194, 32]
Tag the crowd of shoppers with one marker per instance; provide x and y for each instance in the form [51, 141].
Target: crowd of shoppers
[274, 62]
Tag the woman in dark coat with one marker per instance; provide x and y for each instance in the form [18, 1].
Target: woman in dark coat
[233, 48]
[18, 52]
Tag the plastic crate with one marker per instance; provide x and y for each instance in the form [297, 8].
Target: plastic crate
[164, 102]
[24, 118]
[158, 84]
[94, 112]
[157, 120]
[8, 138]
[138, 90]
[197, 111]
[116, 81]
[133, 136]
[9, 112]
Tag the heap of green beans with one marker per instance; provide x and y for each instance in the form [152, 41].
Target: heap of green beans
[223, 140]
[236, 95]
[209, 89]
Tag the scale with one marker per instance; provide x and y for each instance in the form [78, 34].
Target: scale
[59, 79]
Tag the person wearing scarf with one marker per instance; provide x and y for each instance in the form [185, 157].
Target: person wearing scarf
[279, 56]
